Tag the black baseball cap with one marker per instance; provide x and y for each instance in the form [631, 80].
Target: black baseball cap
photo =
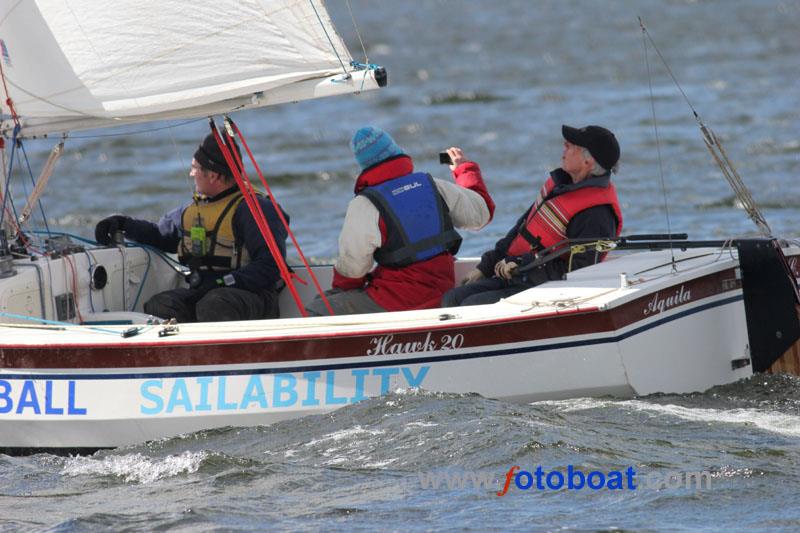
[600, 142]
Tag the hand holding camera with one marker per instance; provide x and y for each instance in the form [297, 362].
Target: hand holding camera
[453, 156]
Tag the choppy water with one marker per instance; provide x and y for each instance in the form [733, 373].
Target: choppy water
[498, 79]
[359, 468]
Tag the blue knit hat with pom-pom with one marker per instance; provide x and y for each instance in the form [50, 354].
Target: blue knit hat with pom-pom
[372, 145]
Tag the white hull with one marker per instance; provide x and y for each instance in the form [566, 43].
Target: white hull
[590, 335]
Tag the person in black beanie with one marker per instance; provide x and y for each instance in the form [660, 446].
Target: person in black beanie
[233, 274]
[577, 201]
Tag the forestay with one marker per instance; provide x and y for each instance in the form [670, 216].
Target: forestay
[76, 64]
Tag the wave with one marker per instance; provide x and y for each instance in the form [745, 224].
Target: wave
[463, 97]
[767, 420]
[135, 468]
[772, 421]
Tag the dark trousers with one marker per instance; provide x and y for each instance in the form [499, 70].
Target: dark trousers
[485, 291]
[216, 305]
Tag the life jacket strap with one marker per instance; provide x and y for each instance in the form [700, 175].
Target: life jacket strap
[210, 262]
[533, 240]
[443, 239]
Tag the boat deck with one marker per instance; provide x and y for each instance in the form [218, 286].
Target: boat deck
[619, 279]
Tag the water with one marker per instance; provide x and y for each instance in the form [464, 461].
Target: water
[359, 468]
[498, 79]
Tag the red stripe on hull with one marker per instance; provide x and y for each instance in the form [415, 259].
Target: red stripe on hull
[328, 346]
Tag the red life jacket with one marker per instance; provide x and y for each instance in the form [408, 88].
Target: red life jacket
[548, 219]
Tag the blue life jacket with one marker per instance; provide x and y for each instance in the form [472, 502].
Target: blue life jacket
[418, 224]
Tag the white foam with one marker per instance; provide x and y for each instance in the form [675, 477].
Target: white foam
[772, 421]
[576, 404]
[412, 391]
[336, 436]
[380, 464]
[135, 468]
[421, 425]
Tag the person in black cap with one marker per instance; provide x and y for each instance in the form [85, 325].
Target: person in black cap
[577, 201]
[233, 274]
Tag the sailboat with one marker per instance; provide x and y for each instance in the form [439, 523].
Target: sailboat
[83, 368]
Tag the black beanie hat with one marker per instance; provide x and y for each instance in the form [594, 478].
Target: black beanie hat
[600, 142]
[210, 156]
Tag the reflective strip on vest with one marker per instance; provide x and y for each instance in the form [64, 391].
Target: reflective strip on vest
[549, 217]
[418, 224]
[220, 244]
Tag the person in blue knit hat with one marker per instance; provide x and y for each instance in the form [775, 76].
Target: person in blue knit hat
[373, 145]
[405, 222]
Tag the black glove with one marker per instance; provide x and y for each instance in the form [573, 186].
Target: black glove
[106, 228]
[203, 282]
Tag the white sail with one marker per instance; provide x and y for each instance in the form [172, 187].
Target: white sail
[76, 64]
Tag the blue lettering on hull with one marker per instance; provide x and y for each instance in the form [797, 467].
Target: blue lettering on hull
[187, 395]
[157, 396]
[29, 399]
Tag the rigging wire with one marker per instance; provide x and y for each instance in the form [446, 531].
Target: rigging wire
[718, 153]
[182, 164]
[248, 192]
[138, 132]
[121, 249]
[358, 33]
[63, 324]
[142, 282]
[658, 146]
[175, 265]
[6, 218]
[646, 34]
[33, 181]
[14, 115]
[229, 124]
[89, 259]
[9, 101]
[15, 221]
[735, 180]
[41, 182]
[7, 199]
[76, 295]
[325, 30]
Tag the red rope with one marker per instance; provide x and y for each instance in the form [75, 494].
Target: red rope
[248, 192]
[15, 117]
[9, 102]
[12, 221]
[280, 214]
